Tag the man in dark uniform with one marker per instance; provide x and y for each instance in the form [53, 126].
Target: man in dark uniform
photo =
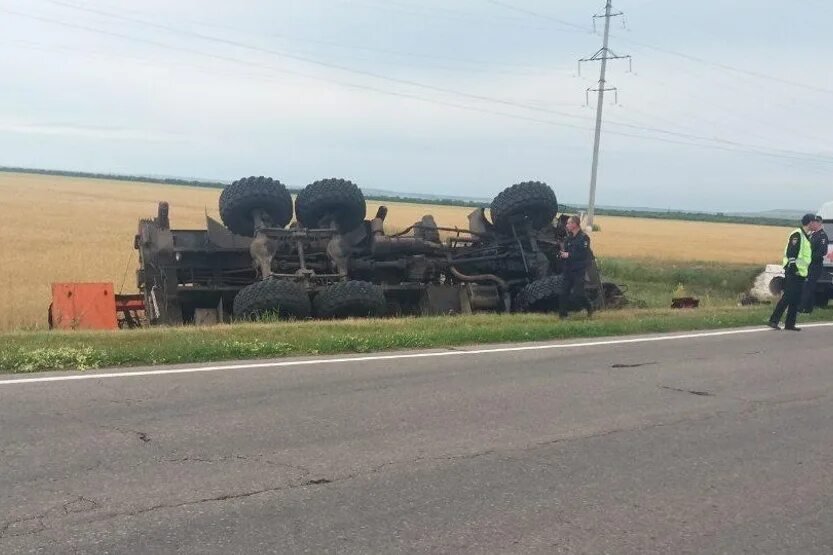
[576, 256]
[797, 257]
[818, 242]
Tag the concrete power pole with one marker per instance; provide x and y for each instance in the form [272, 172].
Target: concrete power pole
[603, 55]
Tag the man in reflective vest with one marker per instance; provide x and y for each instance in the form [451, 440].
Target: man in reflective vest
[797, 257]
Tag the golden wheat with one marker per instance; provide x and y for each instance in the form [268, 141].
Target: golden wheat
[56, 229]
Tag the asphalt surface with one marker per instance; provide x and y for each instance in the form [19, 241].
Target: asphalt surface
[720, 444]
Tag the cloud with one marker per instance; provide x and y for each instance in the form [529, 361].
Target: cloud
[99, 102]
[87, 131]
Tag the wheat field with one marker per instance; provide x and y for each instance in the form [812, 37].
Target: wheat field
[56, 229]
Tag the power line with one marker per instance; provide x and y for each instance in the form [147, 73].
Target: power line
[727, 67]
[437, 12]
[408, 82]
[385, 51]
[489, 64]
[309, 60]
[689, 57]
[306, 59]
[686, 135]
[288, 71]
[736, 147]
[733, 112]
[548, 17]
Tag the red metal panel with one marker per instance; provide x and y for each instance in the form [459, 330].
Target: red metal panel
[83, 306]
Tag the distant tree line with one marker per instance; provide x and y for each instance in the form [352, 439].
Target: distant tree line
[718, 217]
[221, 185]
[117, 177]
[712, 217]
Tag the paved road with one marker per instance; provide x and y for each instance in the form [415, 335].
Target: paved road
[712, 444]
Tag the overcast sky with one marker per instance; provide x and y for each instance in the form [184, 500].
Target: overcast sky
[458, 97]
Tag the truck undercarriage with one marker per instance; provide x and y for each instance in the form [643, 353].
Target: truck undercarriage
[333, 262]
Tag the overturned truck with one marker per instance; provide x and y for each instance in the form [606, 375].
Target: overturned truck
[334, 262]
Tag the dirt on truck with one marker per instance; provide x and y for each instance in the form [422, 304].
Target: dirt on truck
[322, 257]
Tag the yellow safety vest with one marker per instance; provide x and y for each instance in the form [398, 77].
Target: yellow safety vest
[805, 254]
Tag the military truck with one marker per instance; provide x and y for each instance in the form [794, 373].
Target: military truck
[320, 256]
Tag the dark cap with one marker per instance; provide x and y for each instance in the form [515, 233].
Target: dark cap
[808, 218]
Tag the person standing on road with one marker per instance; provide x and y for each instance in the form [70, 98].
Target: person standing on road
[818, 244]
[576, 256]
[797, 257]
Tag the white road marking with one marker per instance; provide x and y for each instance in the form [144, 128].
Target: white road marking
[371, 358]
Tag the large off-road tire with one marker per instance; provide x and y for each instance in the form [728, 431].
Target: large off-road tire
[338, 200]
[277, 297]
[540, 296]
[350, 298]
[530, 201]
[238, 200]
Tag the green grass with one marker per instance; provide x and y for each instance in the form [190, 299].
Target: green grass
[35, 351]
[652, 284]
[734, 278]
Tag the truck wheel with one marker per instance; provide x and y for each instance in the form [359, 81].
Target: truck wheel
[350, 298]
[530, 201]
[822, 299]
[238, 200]
[283, 298]
[540, 296]
[338, 200]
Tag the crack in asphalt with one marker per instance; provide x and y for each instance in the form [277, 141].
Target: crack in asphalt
[77, 505]
[757, 404]
[691, 391]
[236, 457]
[636, 365]
[323, 481]
[224, 497]
[37, 519]
[316, 482]
[243, 495]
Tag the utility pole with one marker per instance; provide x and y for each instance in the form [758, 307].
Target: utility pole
[603, 55]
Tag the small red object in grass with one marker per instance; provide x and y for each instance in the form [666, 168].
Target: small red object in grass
[685, 302]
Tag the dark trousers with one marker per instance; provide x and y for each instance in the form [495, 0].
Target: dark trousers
[790, 300]
[808, 294]
[573, 295]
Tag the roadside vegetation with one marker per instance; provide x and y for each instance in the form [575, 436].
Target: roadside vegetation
[650, 287]
[650, 259]
[35, 351]
[652, 283]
